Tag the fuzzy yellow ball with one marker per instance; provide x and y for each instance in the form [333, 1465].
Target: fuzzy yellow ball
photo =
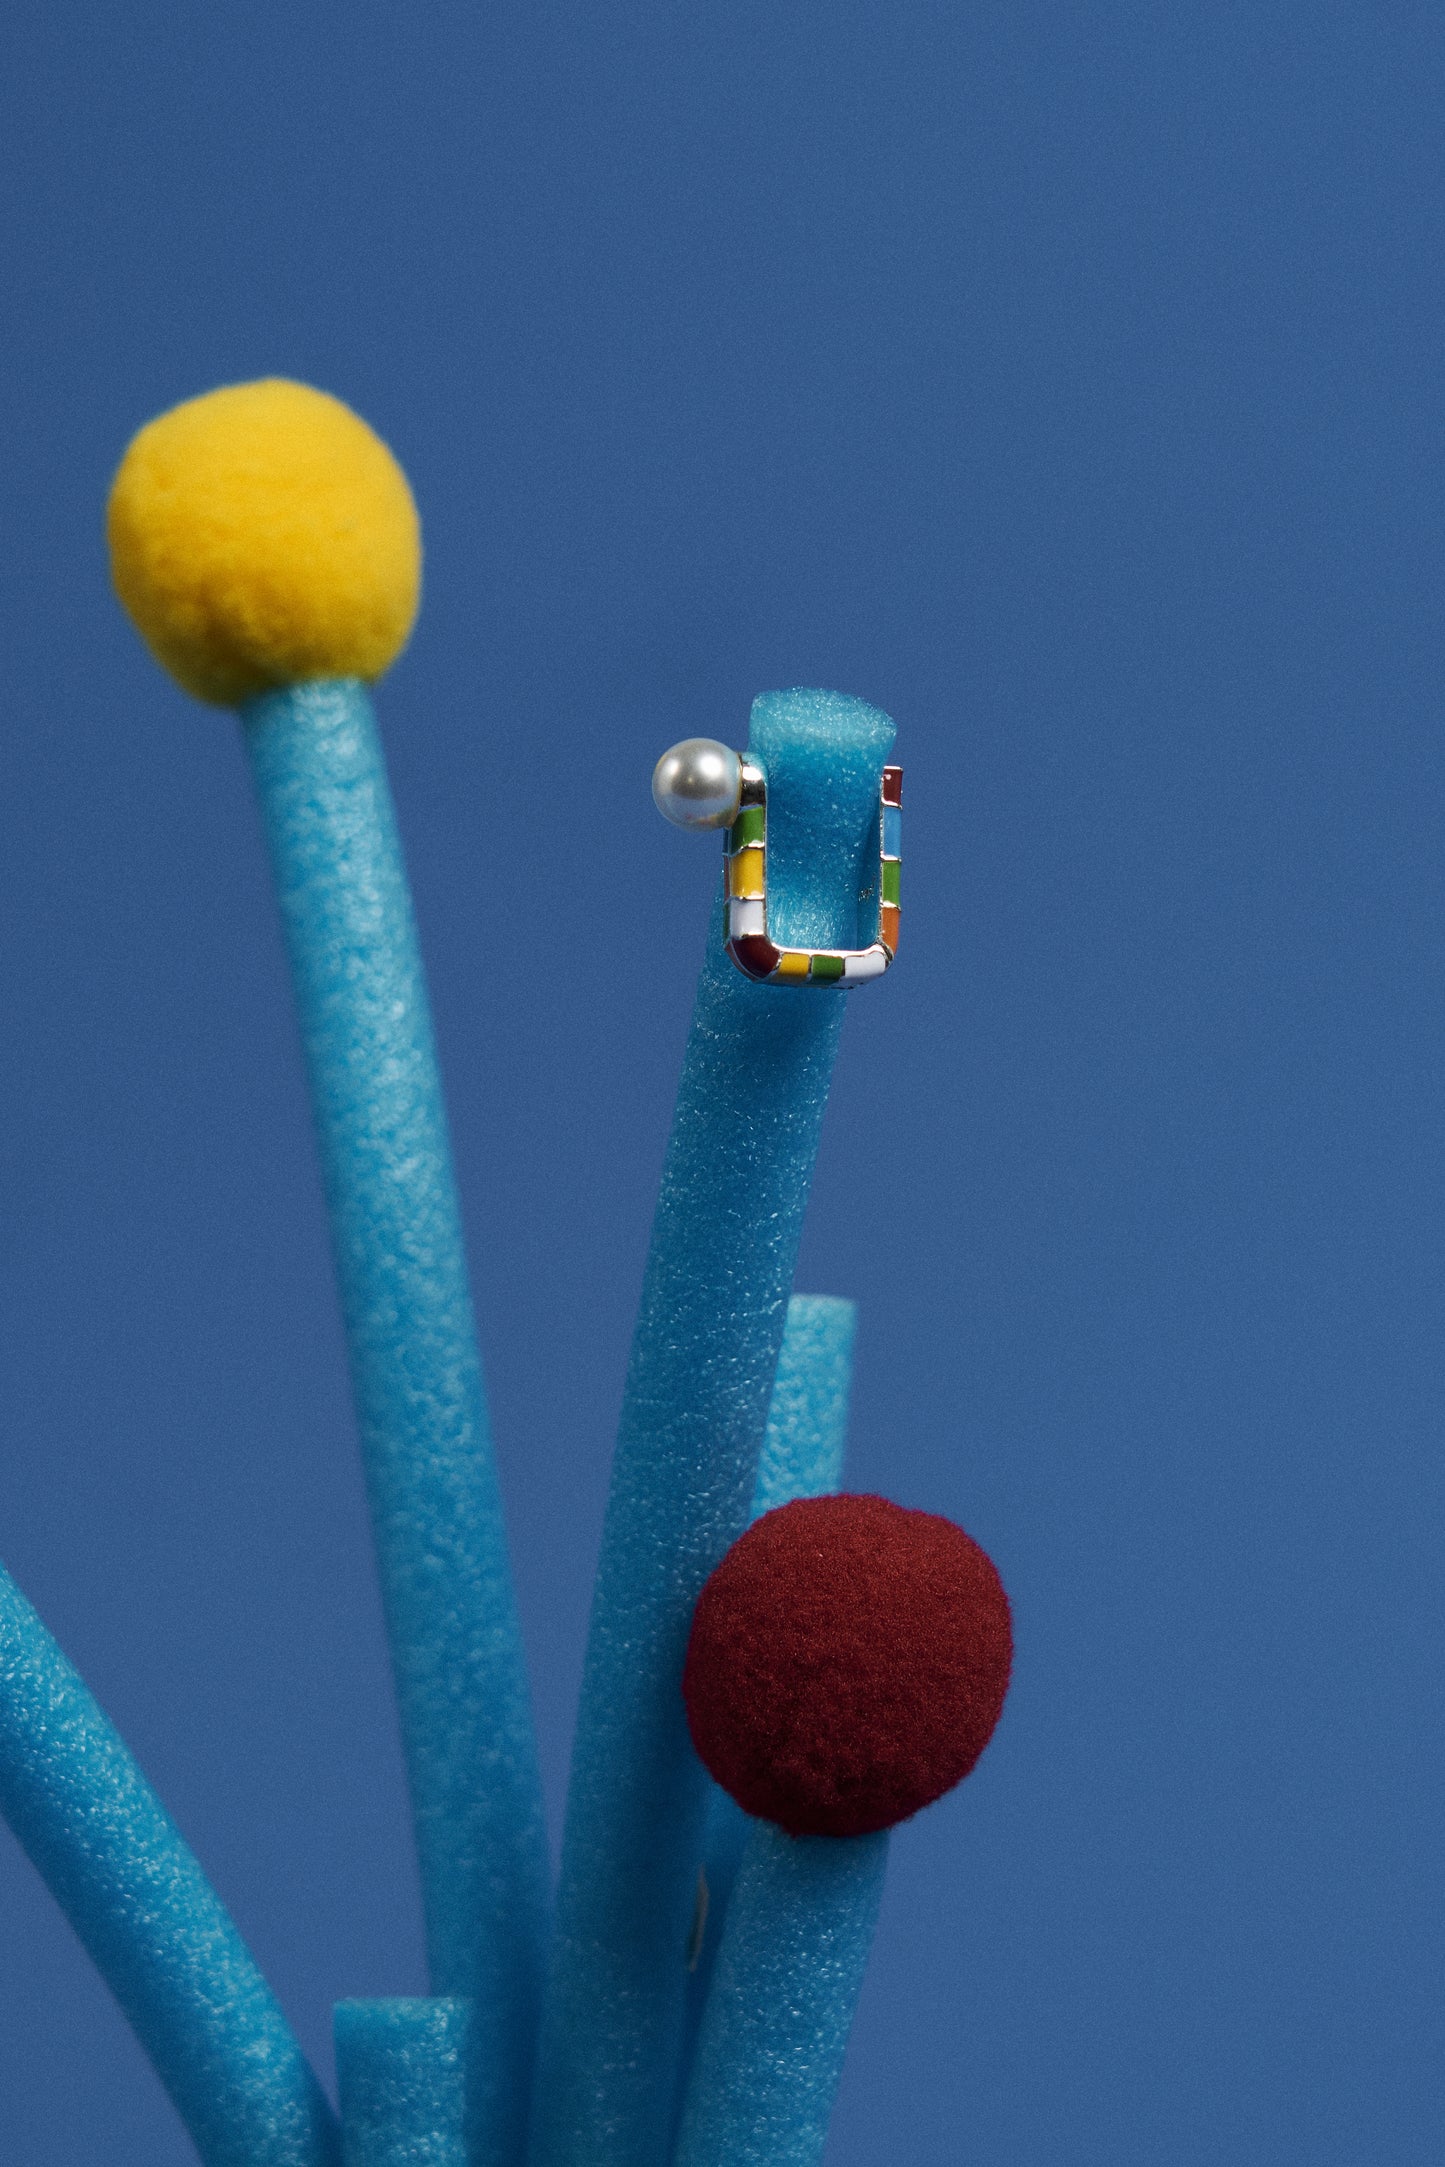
[263, 535]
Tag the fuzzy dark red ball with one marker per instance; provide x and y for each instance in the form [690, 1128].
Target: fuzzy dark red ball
[847, 1665]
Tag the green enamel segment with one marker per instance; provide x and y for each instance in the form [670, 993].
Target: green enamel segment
[890, 870]
[751, 826]
[827, 967]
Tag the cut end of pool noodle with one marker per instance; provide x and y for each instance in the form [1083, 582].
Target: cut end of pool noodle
[263, 535]
[401, 2068]
[847, 1664]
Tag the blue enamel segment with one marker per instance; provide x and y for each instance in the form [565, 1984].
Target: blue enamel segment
[416, 1375]
[794, 1949]
[401, 2068]
[892, 831]
[724, 1244]
[150, 1921]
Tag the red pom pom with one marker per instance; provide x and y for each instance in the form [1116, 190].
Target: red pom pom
[847, 1665]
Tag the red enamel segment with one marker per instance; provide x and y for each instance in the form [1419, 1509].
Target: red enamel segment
[892, 786]
[754, 955]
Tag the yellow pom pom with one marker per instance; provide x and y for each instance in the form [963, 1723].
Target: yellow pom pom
[262, 535]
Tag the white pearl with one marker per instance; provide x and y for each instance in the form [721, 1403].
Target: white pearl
[698, 784]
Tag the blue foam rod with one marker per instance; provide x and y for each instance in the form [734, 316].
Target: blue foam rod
[401, 2066]
[396, 1235]
[724, 1244]
[793, 1954]
[807, 1430]
[802, 1456]
[154, 1927]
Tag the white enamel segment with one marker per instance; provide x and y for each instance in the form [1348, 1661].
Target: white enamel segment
[867, 963]
[747, 915]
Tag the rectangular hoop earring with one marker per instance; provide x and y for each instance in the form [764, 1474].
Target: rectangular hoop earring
[749, 942]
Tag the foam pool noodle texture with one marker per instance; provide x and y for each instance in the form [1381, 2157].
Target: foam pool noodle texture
[794, 1950]
[152, 1924]
[262, 535]
[807, 1430]
[802, 1456]
[724, 1245]
[416, 1373]
[401, 2066]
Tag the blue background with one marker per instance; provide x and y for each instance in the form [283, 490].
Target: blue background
[1069, 382]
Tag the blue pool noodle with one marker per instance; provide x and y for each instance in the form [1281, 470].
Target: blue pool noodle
[807, 1431]
[794, 1950]
[401, 2067]
[802, 1456]
[154, 1927]
[396, 1235]
[724, 1244]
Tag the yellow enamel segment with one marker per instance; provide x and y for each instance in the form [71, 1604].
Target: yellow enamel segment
[793, 963]
[746, 874]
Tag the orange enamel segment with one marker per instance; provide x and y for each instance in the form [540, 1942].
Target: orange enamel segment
[746, 873]
[888, 925]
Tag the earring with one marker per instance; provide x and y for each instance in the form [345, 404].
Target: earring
[702, 784]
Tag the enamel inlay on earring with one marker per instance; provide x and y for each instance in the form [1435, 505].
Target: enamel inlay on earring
[700, 783]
